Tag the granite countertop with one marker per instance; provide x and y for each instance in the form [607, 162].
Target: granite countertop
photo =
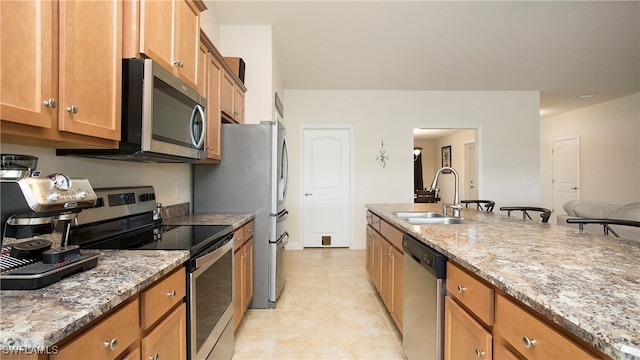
[236, 220]
[37, 319]
[588, 284]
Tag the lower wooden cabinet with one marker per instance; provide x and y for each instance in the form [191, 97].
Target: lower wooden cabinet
[168, 340]
[126, 333]
[385, 265]
[242, 272]
[464, 337]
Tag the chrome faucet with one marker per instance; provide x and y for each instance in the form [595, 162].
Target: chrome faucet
[456, 206]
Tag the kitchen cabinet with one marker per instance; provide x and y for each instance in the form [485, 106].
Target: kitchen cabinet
[523, 333]
[386, 265]
[243, 271]
[169, 33]
[213, 73]
[151, 324]
[232, 93]
[464, 337]
[77, 79]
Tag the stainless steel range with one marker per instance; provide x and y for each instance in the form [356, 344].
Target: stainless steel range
[129, 218]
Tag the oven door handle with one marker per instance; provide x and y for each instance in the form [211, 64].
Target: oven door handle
[213, 256]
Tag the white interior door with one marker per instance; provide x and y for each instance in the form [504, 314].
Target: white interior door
[471, 174]
[566, 172]
[326, 186]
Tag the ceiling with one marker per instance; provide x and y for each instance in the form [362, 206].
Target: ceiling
[563, 49]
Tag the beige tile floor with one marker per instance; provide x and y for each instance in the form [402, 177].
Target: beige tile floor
[327, 310]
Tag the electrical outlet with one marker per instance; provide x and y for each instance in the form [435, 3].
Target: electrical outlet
[179, 192]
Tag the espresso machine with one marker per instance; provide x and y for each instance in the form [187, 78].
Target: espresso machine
[32, 205]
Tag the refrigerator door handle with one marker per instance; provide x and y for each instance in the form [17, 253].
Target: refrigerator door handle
[282, 216]
[285, 239]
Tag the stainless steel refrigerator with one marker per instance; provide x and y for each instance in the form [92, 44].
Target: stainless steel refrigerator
[252, 177]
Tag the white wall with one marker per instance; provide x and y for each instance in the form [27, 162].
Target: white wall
[610, 150]
[446, 183]
[508, 122]
[106, 173]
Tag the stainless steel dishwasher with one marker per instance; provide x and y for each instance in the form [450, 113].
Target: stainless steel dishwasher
[424, 290]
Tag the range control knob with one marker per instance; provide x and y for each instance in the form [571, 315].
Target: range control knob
[53, 197]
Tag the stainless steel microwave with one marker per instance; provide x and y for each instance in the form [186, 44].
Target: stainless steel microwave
[163, 119]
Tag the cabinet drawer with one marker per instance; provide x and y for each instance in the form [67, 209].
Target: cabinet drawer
[471, 292]
[375, 222]
[248, 230]
[118, 331]
[238, 239]
[393, 235]
[168, 340]
[161, 297]
[531, 337]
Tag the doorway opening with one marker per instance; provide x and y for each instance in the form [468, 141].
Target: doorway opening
[455, 147]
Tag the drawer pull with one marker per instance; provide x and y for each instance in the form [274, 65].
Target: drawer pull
[479, 353]
[111, 344]
[51, 103]
[73, 109]
[461, 289]
[528, 342]
[171, 294]
[154, 357]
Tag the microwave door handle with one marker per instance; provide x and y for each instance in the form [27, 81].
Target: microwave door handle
[197, 143]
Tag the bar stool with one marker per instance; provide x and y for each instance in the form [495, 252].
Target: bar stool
[605, 224]
[485, 205]
[545, 213]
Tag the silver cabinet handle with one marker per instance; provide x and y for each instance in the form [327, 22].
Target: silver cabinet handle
[51, 103]
[111, 344]
[461, 289]
[171, 294]
[179, 63]
[308, 194]
[73, 109]
[154, 357]
[479, 353]
[528, 342]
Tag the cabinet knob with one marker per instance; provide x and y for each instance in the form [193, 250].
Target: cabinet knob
[479, 353]
[528, 342]
[461, 289]
[171, 294]
[111, 344]
[154, 357]
[51, 103]
[178, 63]
[73, 109]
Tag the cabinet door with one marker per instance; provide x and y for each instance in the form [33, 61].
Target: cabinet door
[90, 68]
[238, 105]
[226, 94]
[238, 267]
[369, 252]
[156, 31]
[386, 274]
[28, 67]
[168, 340]
[397, 290]
[187, 40]
[248, 273]
[464, 337]
[378, 257]
[214, 72]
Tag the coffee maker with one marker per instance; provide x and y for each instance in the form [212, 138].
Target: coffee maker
[30, 205]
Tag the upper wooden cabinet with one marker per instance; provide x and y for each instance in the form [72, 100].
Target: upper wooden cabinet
[211, 75]
[60, 80]
[232, 92]
[169, 33]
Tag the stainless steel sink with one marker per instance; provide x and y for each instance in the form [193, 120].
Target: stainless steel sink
[434, 220]
[419, 214]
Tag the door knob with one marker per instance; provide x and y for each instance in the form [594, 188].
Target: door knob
[308, 194]
[574, 188]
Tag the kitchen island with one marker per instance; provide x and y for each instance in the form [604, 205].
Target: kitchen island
[587, 284]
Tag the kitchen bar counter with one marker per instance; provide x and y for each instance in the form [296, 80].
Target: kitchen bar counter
[588, 284]
[37, 319]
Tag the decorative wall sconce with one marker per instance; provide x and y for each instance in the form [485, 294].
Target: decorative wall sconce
[382, 157]
[416, 153]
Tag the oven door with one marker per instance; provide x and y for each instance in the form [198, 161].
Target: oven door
[211, 302]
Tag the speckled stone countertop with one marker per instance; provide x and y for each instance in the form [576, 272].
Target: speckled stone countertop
[36, 319]
[588, 284]
[237, 220]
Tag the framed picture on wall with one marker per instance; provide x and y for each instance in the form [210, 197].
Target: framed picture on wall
[446, 158]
